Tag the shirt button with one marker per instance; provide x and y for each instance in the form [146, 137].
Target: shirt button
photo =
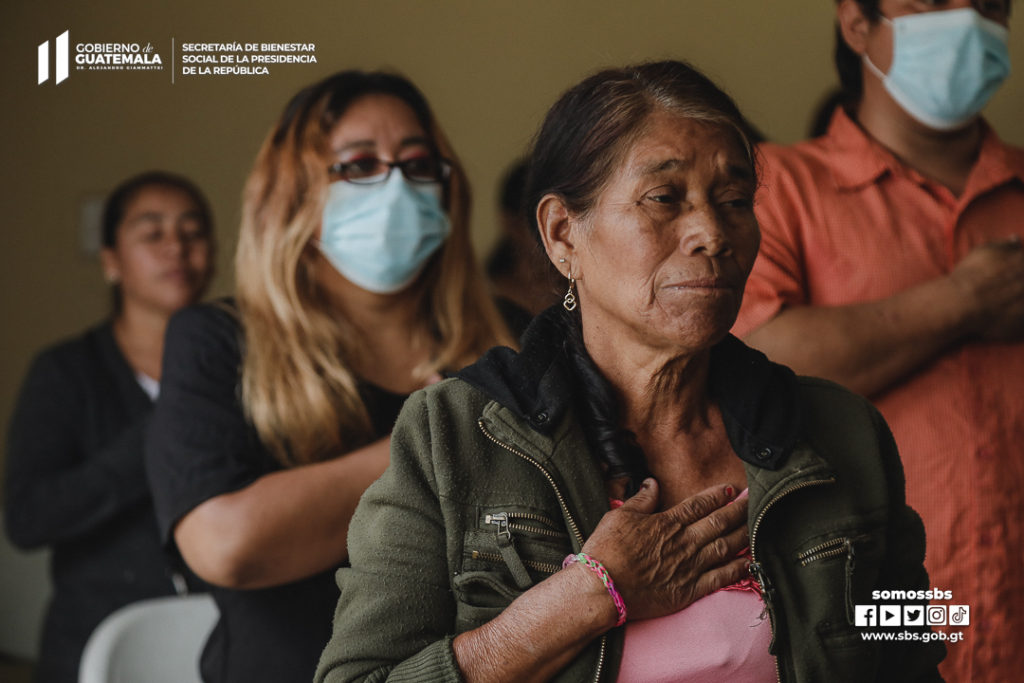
[764, 453]
[540, 418]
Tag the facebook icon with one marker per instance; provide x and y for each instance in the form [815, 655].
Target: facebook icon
[865, 615]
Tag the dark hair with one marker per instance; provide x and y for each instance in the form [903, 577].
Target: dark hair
[504, 257]
[123, 195]
[821, 116]
[513, 187]
[848, 62]
[615, 446]
[581, 141]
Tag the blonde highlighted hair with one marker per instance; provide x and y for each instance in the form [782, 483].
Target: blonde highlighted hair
[298, 386]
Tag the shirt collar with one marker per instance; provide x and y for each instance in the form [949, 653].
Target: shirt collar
[860, 161]
[997, 164]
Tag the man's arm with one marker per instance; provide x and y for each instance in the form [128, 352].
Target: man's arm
[868, 347]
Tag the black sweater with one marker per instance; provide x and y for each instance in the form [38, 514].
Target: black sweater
[201, 445]
[75, 481]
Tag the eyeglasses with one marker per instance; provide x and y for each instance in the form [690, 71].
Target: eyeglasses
[371, 170]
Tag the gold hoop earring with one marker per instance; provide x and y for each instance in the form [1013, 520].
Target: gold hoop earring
[569, 301]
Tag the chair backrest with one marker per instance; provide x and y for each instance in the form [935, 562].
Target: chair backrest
[151, 641]
[24, 593]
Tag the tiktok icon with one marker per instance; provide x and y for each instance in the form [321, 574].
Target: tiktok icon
[959, 615]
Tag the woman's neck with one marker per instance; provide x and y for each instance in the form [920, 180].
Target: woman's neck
[375, 316]
[661, 392]
[392, 339]
[139, 334]
[667, 405]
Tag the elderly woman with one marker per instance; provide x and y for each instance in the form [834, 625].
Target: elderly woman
[496, 546]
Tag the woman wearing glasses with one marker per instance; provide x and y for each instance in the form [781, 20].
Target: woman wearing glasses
[356, 285]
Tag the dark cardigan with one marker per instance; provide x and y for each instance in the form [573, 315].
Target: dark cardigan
[75, 481]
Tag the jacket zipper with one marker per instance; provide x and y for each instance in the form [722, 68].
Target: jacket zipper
[565, 511]
[508, 551]
[823, 551]
[515, 564]
[504, 522]
[547, 475]
[837, 547]
[532, 564]
[757, 569]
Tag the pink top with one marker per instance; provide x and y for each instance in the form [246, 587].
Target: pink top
[723, 636]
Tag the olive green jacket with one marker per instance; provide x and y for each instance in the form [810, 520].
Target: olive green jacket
[481, 501]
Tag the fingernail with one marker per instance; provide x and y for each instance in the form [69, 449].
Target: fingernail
[730, 491]
[647, 483]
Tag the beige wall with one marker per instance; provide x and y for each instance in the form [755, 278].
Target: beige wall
[490, 67]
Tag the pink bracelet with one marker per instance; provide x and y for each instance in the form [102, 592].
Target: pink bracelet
[606, 579]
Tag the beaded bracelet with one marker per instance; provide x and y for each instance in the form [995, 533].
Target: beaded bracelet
[606, 579]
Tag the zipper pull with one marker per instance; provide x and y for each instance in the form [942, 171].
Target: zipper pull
[500, 519]
[757, 571]
[508, 550]
[849, 583]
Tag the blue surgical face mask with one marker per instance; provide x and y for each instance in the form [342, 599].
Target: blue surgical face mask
[380, 236]
[945, 65]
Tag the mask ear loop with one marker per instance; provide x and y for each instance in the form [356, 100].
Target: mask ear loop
[872, 68]
[867, 60]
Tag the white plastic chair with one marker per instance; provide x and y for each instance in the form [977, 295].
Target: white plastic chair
[24, 593]
[151, 641]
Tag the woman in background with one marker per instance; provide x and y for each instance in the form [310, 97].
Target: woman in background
[74, 474]
[356, 285]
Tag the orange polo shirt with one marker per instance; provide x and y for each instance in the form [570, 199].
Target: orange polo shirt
[843, 221]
